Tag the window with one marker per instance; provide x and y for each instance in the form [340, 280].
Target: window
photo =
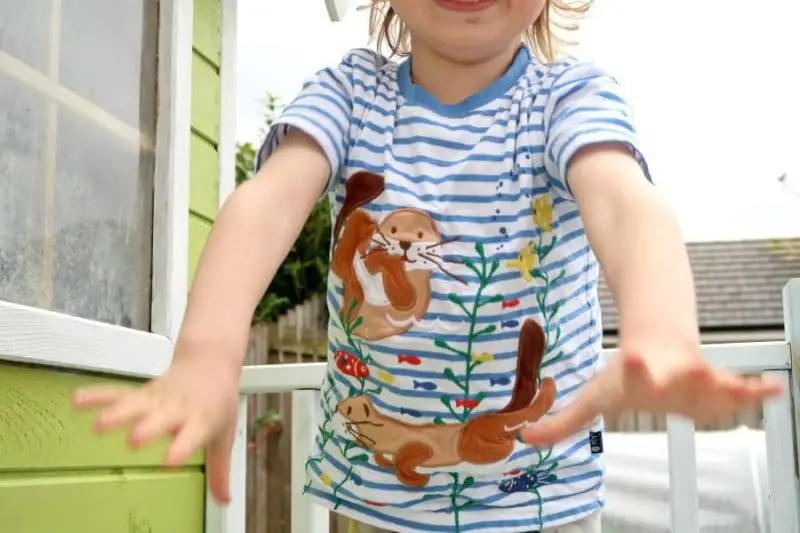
[77, 149]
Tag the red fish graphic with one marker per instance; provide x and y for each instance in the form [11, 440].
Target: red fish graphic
[350, 365]
[467, 403]
[409, 359]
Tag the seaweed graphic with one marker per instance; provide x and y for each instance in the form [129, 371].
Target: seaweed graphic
[457, 502]
[349, 449]
[326, 434]
[462, 407]
[549, 313]
[531, 480]
[349, 324]
[546, 241]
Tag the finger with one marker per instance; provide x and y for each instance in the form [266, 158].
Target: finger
[125, 411]
[218, 463]
[99, 396]
[634, 365]
[575, 417]
[637, 382]
[765, 387]
[153, 426]
[754, 388]
[730, 393]
[558, 427]
[189, 439]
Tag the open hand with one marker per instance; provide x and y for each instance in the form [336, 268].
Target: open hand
[661, 382]
[193, 403]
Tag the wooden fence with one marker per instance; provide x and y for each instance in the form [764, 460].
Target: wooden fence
[300, 336]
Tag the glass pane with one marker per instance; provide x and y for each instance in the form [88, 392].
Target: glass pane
[21, 201]
[111, 182]
[24, 30]
[112, 63]
[76, 207]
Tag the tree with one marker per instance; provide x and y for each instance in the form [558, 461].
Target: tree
[304, 273]
[246, 153]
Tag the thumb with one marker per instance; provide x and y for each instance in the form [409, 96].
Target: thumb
[559, 427]
[218, 466]
[577, 416]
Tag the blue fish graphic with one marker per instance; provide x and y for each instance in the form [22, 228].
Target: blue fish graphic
[424, 385]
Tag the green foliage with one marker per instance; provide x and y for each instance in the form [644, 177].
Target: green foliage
[304, 273]
[245, 162]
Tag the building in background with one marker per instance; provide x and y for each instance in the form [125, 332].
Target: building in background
[739, 286]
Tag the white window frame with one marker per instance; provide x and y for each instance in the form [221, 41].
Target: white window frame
[79, 344]
[230, 518]
[51, 339]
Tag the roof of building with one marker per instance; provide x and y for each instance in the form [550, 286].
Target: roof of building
[739, 283]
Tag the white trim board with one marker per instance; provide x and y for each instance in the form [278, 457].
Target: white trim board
[231, 518]
[227, 74]
[264, 379]
[35, 336]
[39, 337]
[173, 157]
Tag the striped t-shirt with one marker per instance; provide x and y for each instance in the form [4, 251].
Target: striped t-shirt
[462, 293]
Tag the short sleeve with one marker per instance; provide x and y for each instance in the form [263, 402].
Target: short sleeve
[585, 108]
[322, 110]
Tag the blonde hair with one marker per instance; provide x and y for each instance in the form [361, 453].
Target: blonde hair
[386, 28]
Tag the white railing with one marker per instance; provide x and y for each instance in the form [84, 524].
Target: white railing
[39, 337]
[769, 358]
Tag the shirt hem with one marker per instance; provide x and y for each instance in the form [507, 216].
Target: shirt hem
[394, 518]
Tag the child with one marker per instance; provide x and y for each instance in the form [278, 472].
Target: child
[473, 186]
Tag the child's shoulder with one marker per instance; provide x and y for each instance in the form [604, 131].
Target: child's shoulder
[365, 62]
[566, 70]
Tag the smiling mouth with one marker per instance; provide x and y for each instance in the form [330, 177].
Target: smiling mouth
[465, 5]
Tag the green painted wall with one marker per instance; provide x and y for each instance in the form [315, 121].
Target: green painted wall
[56, 475]
[203, 199]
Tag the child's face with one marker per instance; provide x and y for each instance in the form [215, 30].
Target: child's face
[467, 30]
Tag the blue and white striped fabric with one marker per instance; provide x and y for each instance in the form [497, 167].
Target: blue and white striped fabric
[455, 224]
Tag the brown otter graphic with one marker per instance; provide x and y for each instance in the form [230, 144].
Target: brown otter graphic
[485, 439]
[385, 266]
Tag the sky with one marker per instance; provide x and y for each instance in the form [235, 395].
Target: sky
[714, 90]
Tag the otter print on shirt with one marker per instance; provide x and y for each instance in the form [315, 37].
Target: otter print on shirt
[462, 293]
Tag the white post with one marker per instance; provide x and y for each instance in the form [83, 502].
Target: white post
[784, 491]
[227, 124]
[683, 475]
[306, 517]
[781, 460]
[171, 193]
[233, 517]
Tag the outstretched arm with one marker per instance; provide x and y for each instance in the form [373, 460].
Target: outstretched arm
[637, 240]
[251, 237]
[593, 159]
[659, 367]
[195, 401]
